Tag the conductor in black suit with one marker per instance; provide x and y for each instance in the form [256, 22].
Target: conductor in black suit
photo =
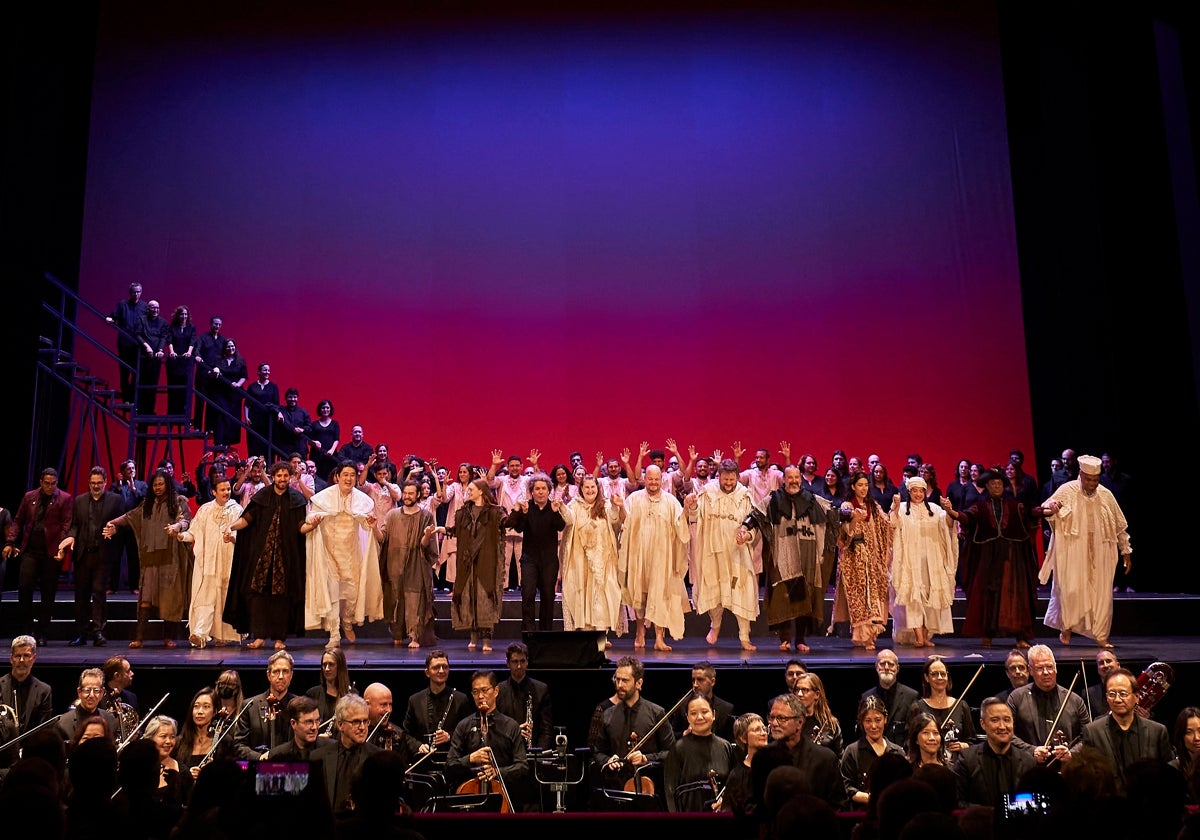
[92, 555]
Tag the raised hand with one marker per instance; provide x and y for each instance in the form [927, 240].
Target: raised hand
[691, 452]
[785, 449]
[555, 505]
[672, 447]
[534, 455]
[717, 456]
[643, 448]
[625, 455]
[737, 450]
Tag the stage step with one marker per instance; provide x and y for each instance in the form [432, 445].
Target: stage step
[1134, 614]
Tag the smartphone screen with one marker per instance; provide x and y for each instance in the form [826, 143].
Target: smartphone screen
[280, 778]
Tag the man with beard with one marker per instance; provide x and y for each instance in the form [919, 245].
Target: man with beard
[88, 694]
[42, 522]
[724, 559]
[626, 724]
[1016, 668]
[897, 698]
[793, 525]
[653, 560]
[212, 565]
[411, 556]
[1090, 533]
[820, 766]
[294, 424]
[266, 592]
[30, 698]
[91, 556]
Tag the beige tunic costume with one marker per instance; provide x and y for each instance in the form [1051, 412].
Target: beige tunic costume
[342, 561]
[211, 570]
[591, 590]
[727, 580]
[653, 559]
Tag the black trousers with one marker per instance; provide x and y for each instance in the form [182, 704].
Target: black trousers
[130, 355]
[538, 576]
[91, 581]
[38, 571]
[124, 544]
[149, 370]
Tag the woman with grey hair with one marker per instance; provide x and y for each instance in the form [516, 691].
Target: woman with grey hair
[173, 786]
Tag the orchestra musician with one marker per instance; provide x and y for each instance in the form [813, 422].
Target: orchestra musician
[263, 725]
[631, 720]
[304, 719]
[433, 712]
[699, 762]
[343, 757]
[488, 748]
[526, 700]
[384, 733]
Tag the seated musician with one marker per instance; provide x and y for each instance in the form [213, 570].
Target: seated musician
[699, 762]
[304, 718]
[432, 713]
[385, 734]
[262, 724]
[342, 759]
[487, 749]
[616, 749]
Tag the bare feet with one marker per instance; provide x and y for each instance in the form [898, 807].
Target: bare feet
[414, 644]
[869, 646]
[280, 644]
[659, 644]
[196, 641]
[1103, 643]
[639, 641]
[802, 648]
[170, 644]
[746, 645]
[929, 643]
[136, 643]
[348, 632]
[711, 638]
[1065, 637]
[486, 647]
[255, 645]
[784, 647]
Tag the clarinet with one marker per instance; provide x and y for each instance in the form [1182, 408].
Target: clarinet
[529, 720]
[445, 714]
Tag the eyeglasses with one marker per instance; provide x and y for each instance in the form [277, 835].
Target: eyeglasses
[480, 692]
[781, 718]
[1044, 669]
[1117, 695]
[90, 692]
[279, 672]
[802, 690]
[357, 722]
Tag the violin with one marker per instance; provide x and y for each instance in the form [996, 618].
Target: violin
[637, 783]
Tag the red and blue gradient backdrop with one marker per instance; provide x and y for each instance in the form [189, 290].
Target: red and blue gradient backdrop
[580, 230]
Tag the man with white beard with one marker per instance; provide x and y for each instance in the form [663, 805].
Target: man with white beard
[724, 561]
[213, 562]
[897, 697]
[653, 560]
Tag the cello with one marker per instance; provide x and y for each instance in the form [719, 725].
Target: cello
[482, 783]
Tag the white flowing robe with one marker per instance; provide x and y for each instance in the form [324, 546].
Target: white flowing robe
[342, 561]
[924, 563]
[725, 569]
[653, 559]
[591, 590]
[210, 573]
[1087, 534]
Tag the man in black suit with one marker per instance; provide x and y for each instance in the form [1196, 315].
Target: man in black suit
[897, 697]
[820, 766]
[92, 555]
[1038, 704]
[704, 679]
[989, 771]
[132, 491]
[526, 700]
[264, 726]
[432, 713]
[28, 699]
[262, 411]
[342, 758]
[1122, 735]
